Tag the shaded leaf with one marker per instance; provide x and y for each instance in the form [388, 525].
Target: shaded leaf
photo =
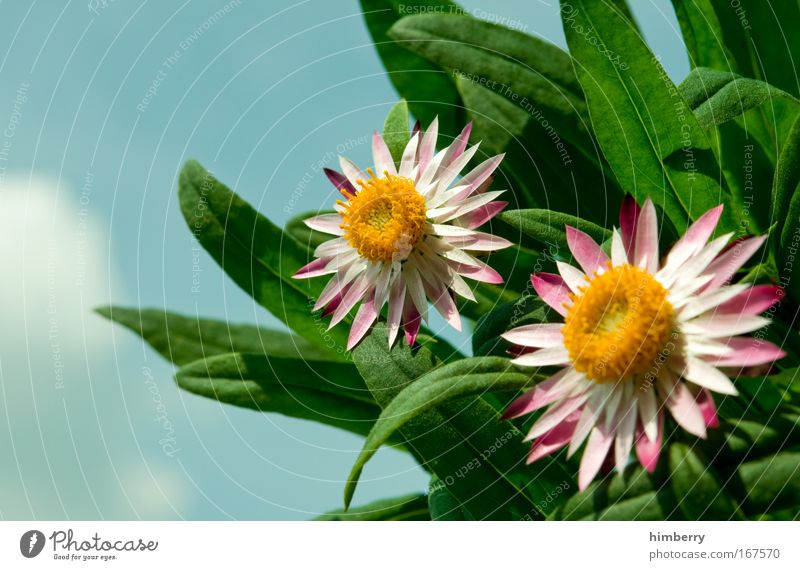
[549, 228]
[427, 88]
[700, 495]
[647, 132]
[406, 508]
[182, 339]
[326, 392]
[464, 443]
[254, 252]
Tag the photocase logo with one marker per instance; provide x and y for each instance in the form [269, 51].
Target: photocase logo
[31, 543]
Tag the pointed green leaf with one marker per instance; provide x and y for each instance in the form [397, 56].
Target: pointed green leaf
[549, 228]
[646, 131]
[429, 90]
[532, 74]
[405, 508]
[327, 392]
[395, 130]
[464, 442]
[182, 339]
[702, 34]
[254, 252]
[758, 35]
[701, 497]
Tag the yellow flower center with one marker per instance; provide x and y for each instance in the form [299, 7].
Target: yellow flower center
[617, 324]
[385, 219]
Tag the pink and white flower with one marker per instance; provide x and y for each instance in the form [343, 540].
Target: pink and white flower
[406, 235]
[641, 337]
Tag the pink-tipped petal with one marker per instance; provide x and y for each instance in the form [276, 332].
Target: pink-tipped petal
[365, 316]
[354, 294]
[706, 403]
[541, 395]
[594, 455]
[552, 289]
[647, 238]
[554, 439]
[458, 145]
[397, 295]
[411, 321]
[647, 451]
[696, 237]
[331, 307]
[384, 163]
[585, 250]
[728, 263]
[628, 219]
[479, 272]
[684, 409]
[339, 180]
[748, 352]
[427, 147]
[409, 160]
[481, 215]
[313, 269]
[478, 175]
[753, 301]
[555, 415]
[537, 335]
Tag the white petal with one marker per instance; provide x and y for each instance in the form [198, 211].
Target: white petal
[573, 277]
[326, 223]
[708, 376]
[538, 335]
[551, 356]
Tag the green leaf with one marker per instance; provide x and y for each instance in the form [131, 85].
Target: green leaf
[702, 34]
[443, 506]
[528, 309]
[540, 168]
[429, 90]
[757, 34]
[771, 483]
[327, 392]
[464, 443]
[406, 508]
[748, 435]
[717, 96]
[701, 497]
[548, 227]
[637, 496]
[302, 234]
[395, 130]
[647, 133]
[181, 339]
[254, 252]
[532, 74]
[786, 209]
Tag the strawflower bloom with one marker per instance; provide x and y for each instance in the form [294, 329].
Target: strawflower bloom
[640, 337]
[406, 235]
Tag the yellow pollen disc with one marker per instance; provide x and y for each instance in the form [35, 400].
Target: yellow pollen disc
[617, 324]
[385, 219]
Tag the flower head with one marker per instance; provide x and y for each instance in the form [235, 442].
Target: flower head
[640, 337]
[406, 235]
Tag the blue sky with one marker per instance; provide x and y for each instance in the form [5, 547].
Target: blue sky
[104, 107]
